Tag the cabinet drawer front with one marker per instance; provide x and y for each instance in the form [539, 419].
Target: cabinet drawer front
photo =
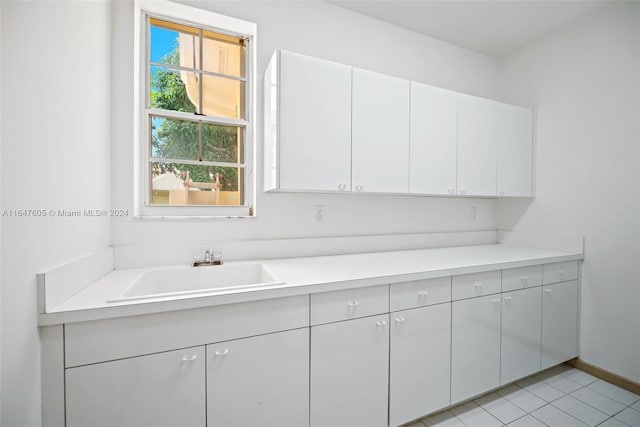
[475, 284]
[520, 278]
[559, 272]
[349, 304]
[102, 340]
[419, 293]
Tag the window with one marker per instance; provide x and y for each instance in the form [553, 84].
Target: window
[195, 112]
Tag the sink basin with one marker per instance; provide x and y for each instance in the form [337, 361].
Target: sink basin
[192, 280]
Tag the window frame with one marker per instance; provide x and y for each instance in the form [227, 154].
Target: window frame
[166, 10]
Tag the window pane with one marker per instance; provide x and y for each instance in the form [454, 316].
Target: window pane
[223, 97]
[173, 90]
[179, 184]
[224, 54]
[174, 44]
[222, 143]
[174, 139]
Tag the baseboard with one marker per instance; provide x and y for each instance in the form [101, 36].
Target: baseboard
[605, 375]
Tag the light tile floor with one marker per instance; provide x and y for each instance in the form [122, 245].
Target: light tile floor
[558, 397]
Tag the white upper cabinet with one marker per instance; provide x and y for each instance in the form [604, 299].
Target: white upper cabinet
[331, 127]
[515, 151]
[477, 132]
[380, 133]
[309, 142]
[434, 133]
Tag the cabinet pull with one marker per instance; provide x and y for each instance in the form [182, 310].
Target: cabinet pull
[381, 322]
[478, 287]
[359, 187]
[561, 272]
[399, 319]
[190, 358]
[352, 303]
[523, 278]
[547, 291]
[222, 352]
[342, 187]
[423, 293]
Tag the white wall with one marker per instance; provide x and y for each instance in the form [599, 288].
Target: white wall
[585, 81]
[1, 206]
[322, 30]
[55, 155]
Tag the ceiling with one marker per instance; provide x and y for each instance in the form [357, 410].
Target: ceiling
[490, 27]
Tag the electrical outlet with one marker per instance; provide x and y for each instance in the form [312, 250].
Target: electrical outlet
[319, 212]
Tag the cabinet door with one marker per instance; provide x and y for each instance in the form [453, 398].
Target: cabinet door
[559, 323]
[521, 323]
[477, 131]
[261, 380]
[380, 138]
[434, 133]
[419, 362]
[164, 389]
[475, 346]
[349, 372]
[315, 124]
[515, 151]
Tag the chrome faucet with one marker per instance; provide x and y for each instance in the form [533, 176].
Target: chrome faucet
[210, 258]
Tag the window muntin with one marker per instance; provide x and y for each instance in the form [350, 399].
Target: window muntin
[196, 112]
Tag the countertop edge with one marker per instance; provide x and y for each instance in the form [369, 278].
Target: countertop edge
[279, 291]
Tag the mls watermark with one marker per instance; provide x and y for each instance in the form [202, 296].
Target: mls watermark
[70, 213]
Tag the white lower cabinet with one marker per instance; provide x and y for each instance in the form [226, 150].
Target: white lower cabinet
[349, 372]
[521, 322]
[164, 389]
[420, 358]
[329, 359]
[559, 323]
[475, 346]
[261, 380]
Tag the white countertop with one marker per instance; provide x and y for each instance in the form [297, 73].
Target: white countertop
[302, 276]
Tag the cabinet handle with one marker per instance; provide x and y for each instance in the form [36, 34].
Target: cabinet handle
[359, 187]
[399, 319]
[462, 191]
[222, 352]
[423, 294]
[524, 279]
[381, 323]
[190, 358]
[561, 272]
[508, 299]
[478, 287]
[451, 191]
[501, 193]
[342, 187]
[352, 303]
[547, 291]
